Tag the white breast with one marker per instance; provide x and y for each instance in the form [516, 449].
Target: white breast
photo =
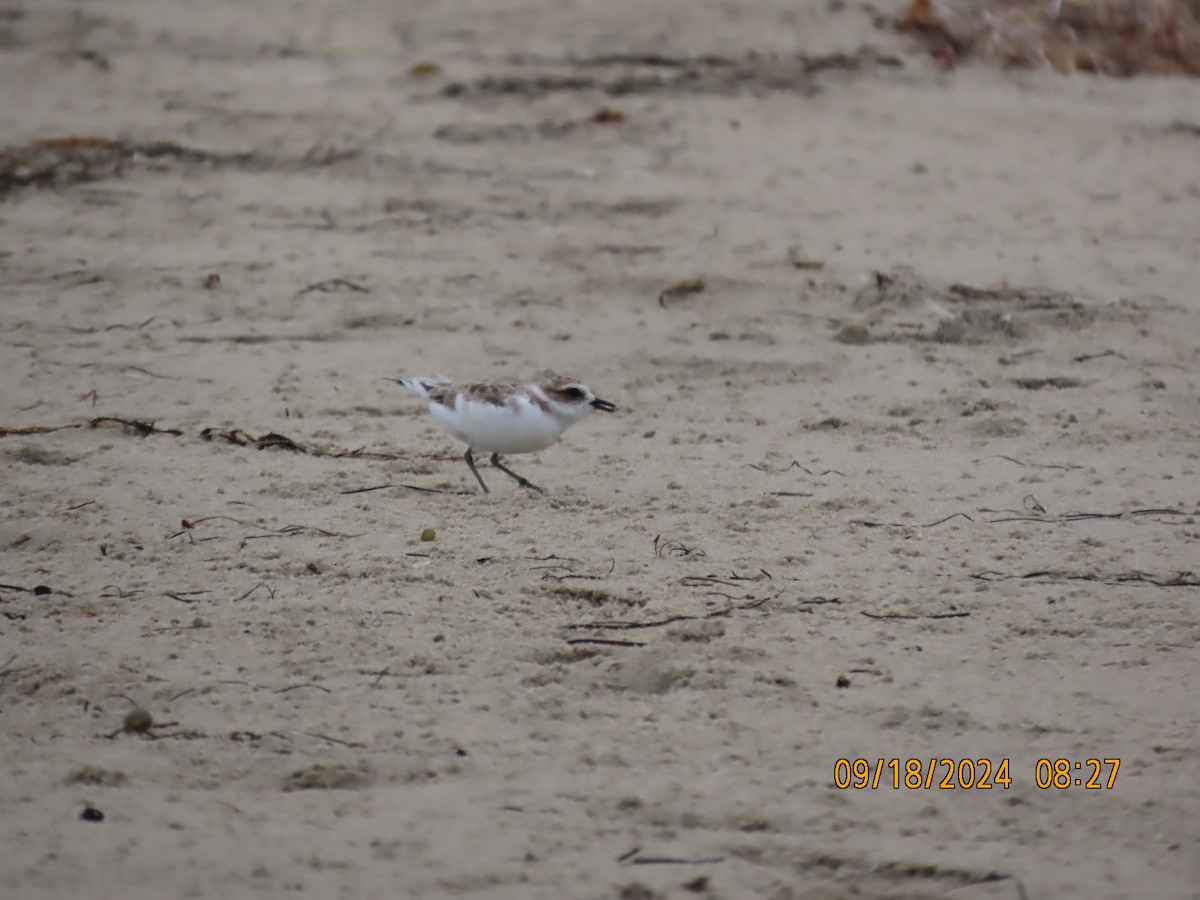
[521, 428]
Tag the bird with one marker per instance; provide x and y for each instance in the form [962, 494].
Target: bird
[502, 417]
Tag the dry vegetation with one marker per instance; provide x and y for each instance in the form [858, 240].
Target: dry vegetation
[1109, 37]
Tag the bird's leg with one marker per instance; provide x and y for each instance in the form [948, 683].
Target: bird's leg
[474, 471]
[523, 482]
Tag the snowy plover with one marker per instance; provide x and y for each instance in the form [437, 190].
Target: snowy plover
[503, 417]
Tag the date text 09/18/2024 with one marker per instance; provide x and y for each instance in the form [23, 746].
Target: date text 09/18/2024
[971, 774]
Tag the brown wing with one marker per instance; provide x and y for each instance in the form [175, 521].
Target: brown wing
[495, 393]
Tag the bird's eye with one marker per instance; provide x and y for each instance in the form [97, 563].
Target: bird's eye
[574, 393]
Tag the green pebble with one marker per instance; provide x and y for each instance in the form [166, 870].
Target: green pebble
[428, 534]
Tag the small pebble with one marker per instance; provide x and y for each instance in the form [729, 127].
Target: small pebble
[138, 722]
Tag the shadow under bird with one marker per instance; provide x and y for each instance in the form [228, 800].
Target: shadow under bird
[502, 418]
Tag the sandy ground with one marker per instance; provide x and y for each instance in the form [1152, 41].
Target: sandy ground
[845, 511]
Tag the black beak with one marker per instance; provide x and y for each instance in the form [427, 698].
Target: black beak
[603, 405]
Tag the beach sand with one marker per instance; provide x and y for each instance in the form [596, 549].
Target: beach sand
[904, 466]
